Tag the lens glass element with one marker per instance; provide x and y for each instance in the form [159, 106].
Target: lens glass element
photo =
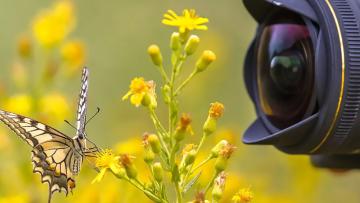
[285, 71]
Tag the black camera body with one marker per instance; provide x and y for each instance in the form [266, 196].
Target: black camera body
[302, 72]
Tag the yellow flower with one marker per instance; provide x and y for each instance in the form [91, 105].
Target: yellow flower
[141, 92]
[244, 195]
[187, 22]
[19, 103]
[106, 160]
[15, 198]
[73, 53]
[216, 110]
[51, 26]
[24, 46]
[54, 107]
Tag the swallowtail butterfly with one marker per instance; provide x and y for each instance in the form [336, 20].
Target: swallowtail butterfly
[56, 156]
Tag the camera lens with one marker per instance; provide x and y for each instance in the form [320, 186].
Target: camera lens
[285, 70]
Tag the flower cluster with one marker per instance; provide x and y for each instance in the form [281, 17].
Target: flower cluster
[165, 151]
[47, 49]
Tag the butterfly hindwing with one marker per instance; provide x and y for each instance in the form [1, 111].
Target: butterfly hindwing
[54, 154]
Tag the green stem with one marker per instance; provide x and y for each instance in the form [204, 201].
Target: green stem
[190, 171]
[186, 81]
[200, 164]
[140, 186]
[211, 183]
[178, 193]
[162, 132]
[163, 73]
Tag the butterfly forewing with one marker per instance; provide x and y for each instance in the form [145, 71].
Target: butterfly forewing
[82, 105]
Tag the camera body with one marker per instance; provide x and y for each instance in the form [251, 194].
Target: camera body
[302, 72]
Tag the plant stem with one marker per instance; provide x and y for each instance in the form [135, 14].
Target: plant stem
[211, 183]
[200, 164]
[162, 130]
[140, 186]
[178, 193]
[163, 73]
[186, 81]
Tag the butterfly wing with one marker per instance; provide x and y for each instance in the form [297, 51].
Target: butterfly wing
[82, 105]
[54, 154]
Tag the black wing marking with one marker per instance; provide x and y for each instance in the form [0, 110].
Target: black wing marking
[54, 155]
[82, 105]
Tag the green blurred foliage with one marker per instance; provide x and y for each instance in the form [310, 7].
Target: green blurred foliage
[117, 34]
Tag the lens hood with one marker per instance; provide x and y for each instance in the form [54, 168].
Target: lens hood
[330, 127]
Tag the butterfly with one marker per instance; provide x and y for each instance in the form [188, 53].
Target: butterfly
[56, 156]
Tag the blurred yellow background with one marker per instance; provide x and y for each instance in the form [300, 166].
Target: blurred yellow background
[114, 36]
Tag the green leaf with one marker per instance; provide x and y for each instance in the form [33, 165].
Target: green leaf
[192, 182]
[175, 174]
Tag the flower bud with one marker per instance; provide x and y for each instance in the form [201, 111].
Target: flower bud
[119, 172]
[158, 172]
[154, 143]
[192, 44]
[183, 128]
[205, 60]
[129, 166]
[175, 43]
[149, 155]
[220, 164]
[216, 110]
[155, 54]
[210, 126]
[216, 150]
[190, 157]
[24, 47]
[219, 186]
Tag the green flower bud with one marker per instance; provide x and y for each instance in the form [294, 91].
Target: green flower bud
[218, 147]
[175, 43]
[120, 173]
[192, 44]
[219, 186]
[129, 166]
[154, 143]
[190, 157]
[217, 193]
[155, 54]
[158, 172]
[149, 156]
[131, 171]
[210, 126]
[205, 60]
[221, 164]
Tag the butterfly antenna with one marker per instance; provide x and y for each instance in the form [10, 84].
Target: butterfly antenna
[95, 114]
[66, 121]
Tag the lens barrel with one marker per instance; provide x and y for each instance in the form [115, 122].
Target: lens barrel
[302, 72]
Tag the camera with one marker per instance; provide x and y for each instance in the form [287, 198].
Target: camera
[302, 72]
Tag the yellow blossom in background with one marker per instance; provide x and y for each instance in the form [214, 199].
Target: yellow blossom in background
[24, 46]
[187, 22]
[244, 195]
[20, 103]
[139, 88]
[73, 53]
[51, 26]
[20, 198]
[54, 107]
[19, 75]
[106, 160]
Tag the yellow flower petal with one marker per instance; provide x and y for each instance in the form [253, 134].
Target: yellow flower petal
[136, 99]
[99, 176]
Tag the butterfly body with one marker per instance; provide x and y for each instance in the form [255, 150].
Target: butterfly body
[56, 156]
